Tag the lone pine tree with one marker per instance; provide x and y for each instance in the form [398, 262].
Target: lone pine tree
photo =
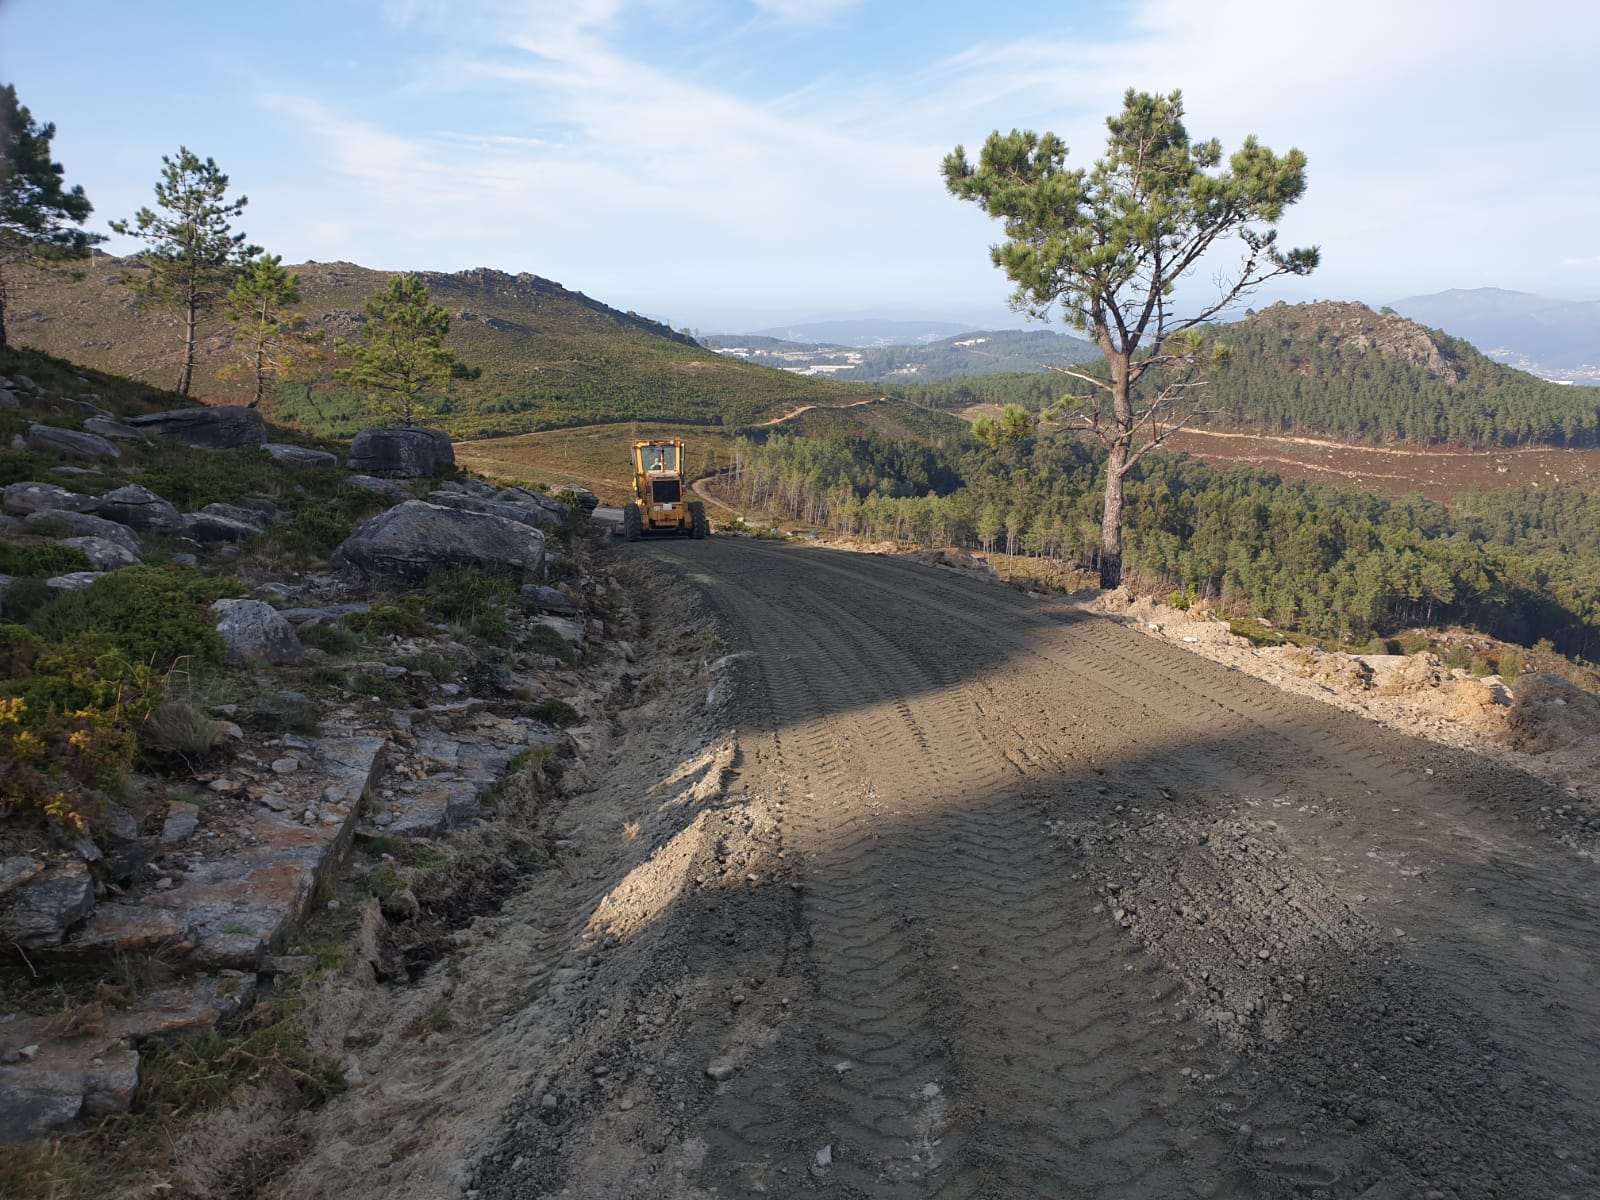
[1110, 243]
[194, 256]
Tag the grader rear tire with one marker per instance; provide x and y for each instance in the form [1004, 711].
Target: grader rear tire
[699, 527]
[630, 522]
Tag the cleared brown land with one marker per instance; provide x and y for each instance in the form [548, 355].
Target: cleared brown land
[1394, 471]
[595, 456]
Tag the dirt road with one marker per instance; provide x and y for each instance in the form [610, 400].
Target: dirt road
[981, 895]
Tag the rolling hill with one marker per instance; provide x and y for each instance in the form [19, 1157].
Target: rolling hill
[1342, 371]
[549, 357]
[977, 352]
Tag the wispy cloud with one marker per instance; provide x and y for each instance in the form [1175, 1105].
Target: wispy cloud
[598, 153]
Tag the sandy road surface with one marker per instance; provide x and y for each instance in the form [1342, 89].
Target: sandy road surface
[983, 895]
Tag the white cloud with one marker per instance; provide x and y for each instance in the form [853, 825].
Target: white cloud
[804, 12]
[621, 173]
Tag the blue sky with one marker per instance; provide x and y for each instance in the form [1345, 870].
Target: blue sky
[729, 164]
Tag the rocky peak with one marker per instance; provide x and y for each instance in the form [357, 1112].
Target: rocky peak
[1352, 325]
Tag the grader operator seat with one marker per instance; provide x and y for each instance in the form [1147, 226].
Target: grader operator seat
[660, 504]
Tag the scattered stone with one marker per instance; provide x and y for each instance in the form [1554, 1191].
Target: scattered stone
[106, 427]
[539, 516]
[72, 442]
[586, 499]
[103, 554]
[397, 492]
[64, 1079]
[37, 913]
[30, 497]
[224, 427]
[71, 581]
[85, 525]
[719, 1069]
[413, 538]
[117, 928]
[401, 453]
[253, 629]
[183, 818]
[548, 599]
[212, 527]
[238, 513]
[14, 872]
[138, 508]
[300, 456]
[259, 505]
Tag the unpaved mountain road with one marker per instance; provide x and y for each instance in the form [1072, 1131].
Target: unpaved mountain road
[983, 895]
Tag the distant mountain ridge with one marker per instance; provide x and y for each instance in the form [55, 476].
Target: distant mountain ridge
[860, 333]
[1540, 334]
[965, 355]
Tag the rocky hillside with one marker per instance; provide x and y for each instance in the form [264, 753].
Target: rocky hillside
[549, 356]
[1342, 370]
[248, 687]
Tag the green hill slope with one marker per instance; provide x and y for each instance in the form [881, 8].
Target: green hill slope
[550, 357]
[1342, 371]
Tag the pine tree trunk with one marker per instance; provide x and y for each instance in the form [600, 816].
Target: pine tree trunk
[1111, 518]
[1116, 468]
[2, 310]
[191, 315]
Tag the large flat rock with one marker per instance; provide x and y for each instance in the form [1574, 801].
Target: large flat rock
[232, 910]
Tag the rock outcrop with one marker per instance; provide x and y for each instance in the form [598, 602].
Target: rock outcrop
[71, 442]
[226, 427]
[401, 453]
[414, 538]
[252, 630]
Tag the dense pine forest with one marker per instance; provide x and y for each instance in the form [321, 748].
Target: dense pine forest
[1345, 372]
[1336, 563]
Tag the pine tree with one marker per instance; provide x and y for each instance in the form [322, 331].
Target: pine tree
[273, 340]
[1111, 242]
[399, 358]
[38, 212]
[194, 255]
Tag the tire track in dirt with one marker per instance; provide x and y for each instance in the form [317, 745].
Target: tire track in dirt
[1437, 850]
[912, 1102]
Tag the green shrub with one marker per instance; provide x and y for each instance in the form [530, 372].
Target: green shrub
[41, 559]
[1510, 665]
[69, 716]
[24, 466]
[555, 712]
[24, 598]
[541, 639]
[316, 529]
[152, 615]
[330, 638]
[388, 620]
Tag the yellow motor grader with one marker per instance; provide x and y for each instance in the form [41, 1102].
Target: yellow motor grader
[661, 502]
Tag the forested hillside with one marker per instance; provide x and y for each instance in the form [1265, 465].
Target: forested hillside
[549, 356]
[1336, 563]
[1345, 372]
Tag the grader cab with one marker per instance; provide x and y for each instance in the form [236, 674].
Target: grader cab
[661, 503]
